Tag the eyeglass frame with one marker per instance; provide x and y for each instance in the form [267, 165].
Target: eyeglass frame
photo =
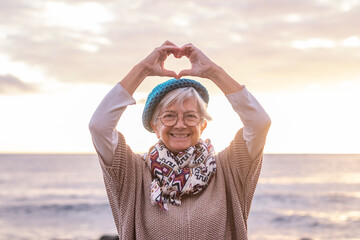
[183, 119]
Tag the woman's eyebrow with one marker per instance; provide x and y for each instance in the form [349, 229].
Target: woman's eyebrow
[189, 111]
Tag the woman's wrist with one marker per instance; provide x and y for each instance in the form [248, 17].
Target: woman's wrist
[142, 69]
[213, 72]
[223, 80]
[134, 78]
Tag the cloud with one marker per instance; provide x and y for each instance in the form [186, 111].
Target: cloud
[11, 84]
[252, 40]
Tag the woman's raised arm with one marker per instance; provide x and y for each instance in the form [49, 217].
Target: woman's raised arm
[255, 119]
[104, 120]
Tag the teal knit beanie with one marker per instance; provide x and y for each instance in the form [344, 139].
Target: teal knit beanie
[164, 88]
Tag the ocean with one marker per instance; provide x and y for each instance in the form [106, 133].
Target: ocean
[62, 196]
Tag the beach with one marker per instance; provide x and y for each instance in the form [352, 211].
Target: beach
[62, 196]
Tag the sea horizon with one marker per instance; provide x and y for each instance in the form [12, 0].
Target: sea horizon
[62, 196]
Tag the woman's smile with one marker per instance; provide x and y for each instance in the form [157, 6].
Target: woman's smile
[178, 135]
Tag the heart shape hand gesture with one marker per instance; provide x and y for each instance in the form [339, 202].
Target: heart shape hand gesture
[201, 65]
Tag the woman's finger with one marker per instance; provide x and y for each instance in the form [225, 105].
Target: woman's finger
[170, 49]
[168, 73]
[187, 49]
[168, 43]
[185, 72]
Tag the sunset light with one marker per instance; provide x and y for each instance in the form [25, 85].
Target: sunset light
[59, 63]
[66, 173]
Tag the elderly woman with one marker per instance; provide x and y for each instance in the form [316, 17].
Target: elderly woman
[180, 189]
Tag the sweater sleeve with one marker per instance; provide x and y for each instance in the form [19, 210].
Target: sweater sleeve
[256, 121]
[120, 180]
[104, 120]
[242, 172]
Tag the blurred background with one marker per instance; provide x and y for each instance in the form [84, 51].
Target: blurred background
[300, 59]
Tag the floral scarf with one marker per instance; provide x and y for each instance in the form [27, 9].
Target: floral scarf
[173, 176]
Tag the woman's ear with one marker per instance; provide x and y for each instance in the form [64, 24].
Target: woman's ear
[203, 126]
[154, 127]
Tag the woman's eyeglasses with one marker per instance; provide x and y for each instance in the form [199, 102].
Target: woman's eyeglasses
[169, 118]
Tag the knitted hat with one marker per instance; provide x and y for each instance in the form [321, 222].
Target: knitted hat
[164, 88]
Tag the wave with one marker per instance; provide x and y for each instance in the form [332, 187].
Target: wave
[302, 220]
[319, 220]
[317, 224]
[53, 208]
[348, 200]
[343, 198]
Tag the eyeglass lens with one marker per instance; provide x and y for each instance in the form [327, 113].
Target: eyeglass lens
[169, 118]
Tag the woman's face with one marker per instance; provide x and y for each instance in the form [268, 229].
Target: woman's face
[179, 137]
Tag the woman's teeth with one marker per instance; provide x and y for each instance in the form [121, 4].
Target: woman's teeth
[180, 135]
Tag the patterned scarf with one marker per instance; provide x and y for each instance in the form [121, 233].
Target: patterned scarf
[173, 176]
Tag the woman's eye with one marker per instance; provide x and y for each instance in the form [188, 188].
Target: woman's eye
[169, 115]
[191, 116]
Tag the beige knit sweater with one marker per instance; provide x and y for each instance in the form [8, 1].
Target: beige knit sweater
[220, 211]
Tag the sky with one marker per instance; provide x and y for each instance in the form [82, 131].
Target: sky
[300, 59]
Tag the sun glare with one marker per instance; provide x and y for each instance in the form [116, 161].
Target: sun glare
[292, 18]
[89, 47]
[180, 21]
[345, 6]
[312, 120]
[316, 119]
[86, 16]
[313, 43]
[351, 42]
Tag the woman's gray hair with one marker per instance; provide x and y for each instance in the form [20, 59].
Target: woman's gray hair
[179, 95]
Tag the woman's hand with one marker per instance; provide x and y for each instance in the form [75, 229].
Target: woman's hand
[201, 65]
[154, 63]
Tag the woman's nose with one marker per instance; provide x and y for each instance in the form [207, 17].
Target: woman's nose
[180, 122]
